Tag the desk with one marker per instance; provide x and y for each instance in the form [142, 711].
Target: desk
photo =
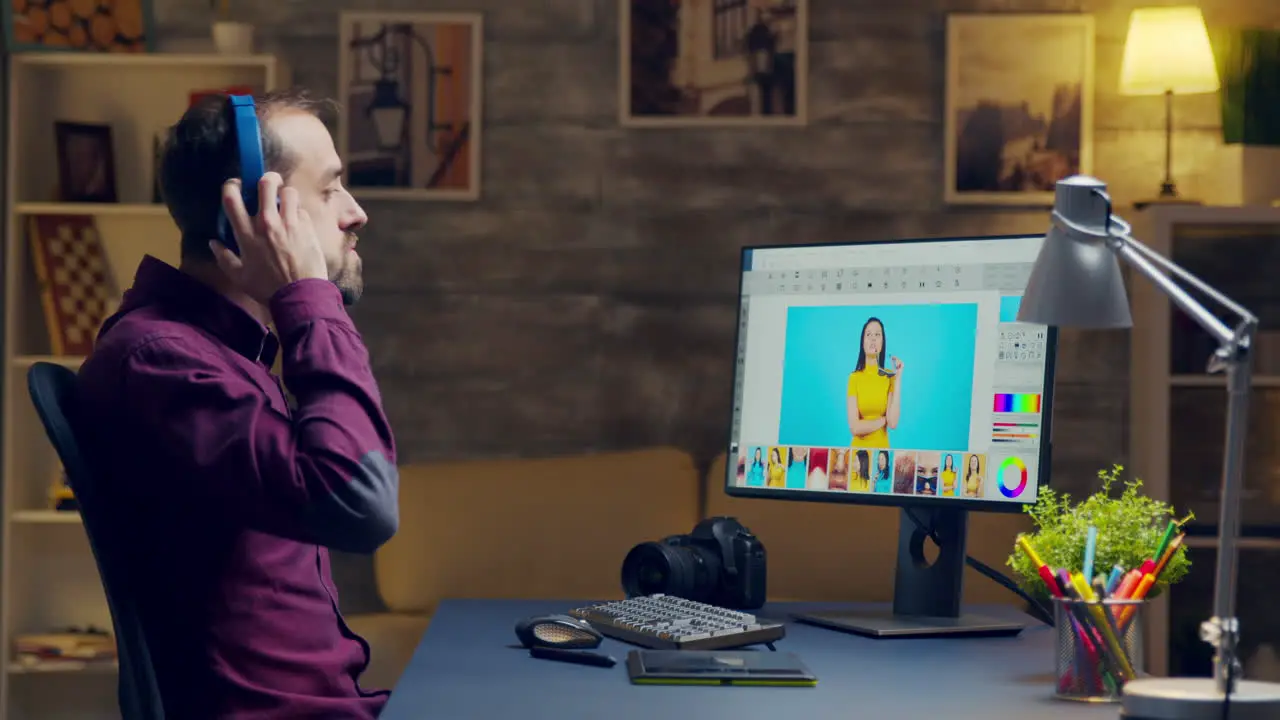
[463, 669]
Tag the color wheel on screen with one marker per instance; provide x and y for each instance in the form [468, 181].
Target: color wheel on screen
[1012, 477]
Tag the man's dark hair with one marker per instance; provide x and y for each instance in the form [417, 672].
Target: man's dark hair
[200, 154]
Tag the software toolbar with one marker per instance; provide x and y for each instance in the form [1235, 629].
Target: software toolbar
[888, 279]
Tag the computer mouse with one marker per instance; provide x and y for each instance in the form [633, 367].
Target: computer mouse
[557, 631]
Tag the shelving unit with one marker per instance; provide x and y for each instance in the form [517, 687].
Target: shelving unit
[1177, 421]
[48, 580]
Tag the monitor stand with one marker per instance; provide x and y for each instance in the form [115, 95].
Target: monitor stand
[926, 598]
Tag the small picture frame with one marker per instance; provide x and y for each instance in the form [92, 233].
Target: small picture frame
[411, 85]
[1018, 107]
[86, 162]
[727, 63]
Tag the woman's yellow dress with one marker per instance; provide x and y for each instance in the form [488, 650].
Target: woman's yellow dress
[872, 390]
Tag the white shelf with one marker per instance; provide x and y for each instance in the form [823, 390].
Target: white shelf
[1244, 543]
[1153, 388]
[54, 582]
[117, 209]
[1212, 381]
[65, 668]
[166, 60]
[26, 361]
[45, 517]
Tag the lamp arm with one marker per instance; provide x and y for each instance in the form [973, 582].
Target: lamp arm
[1127, 249]
[1182, 274]
[1161, 271]
[1222, 630]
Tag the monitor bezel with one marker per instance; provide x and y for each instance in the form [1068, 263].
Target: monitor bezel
[894, 500]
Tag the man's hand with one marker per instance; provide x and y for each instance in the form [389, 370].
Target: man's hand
[277, 247]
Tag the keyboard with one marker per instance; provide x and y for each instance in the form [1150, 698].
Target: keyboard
[663, 622]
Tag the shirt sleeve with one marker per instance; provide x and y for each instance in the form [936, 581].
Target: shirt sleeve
[327, 476]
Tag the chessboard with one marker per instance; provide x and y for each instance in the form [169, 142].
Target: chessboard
[76, 289]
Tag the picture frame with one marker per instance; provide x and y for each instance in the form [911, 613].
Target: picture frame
[1027, 75]
[86, 162]
[117, 26]
[751, 69]
[391, 63]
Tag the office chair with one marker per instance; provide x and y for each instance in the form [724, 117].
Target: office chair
[53, 391]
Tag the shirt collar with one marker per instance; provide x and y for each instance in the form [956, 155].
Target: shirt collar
[158, 283]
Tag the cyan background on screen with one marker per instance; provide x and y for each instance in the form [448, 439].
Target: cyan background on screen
[936, 345]
[1009, 305]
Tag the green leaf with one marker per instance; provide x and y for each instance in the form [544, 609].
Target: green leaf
[1130, 526]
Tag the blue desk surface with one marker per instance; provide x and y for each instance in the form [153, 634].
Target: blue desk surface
[464, 668]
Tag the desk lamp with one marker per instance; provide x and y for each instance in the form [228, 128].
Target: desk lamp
[1167, 52]
[1076, 282]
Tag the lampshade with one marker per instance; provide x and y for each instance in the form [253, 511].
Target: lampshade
[1076, 280]
[1167, 50]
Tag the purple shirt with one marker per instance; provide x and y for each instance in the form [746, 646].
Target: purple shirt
[224, 498]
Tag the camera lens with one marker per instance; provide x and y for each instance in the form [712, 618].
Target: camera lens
[685, 571]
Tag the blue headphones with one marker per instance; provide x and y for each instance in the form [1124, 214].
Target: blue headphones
[244, 121]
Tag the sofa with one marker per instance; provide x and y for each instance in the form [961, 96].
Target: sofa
[558, 528]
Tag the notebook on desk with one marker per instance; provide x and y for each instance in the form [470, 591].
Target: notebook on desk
[718, 667]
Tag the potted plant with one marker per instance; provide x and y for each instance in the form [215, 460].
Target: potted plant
[1248, 62]
[1129, 525]
[230, 37]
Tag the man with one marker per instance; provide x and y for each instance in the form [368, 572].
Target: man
[221, 498]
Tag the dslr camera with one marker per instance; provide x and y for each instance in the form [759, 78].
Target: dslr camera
[719, 563]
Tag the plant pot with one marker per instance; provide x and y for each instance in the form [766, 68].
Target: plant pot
[1260, 175]
[233, 38]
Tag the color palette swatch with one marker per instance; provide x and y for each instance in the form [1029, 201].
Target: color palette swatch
[1016, 403]
[1014, 431]
[1012, 477]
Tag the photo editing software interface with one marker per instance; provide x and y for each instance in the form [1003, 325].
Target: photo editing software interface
[895, 368]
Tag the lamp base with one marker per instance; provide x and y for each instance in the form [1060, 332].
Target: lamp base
[1197, 699]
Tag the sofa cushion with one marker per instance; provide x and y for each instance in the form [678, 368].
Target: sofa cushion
[837, 552]
[535, 528]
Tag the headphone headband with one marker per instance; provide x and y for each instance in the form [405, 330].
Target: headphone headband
[248, 139]
[244, 116]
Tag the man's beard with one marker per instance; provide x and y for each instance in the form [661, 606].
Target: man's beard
[349, 278]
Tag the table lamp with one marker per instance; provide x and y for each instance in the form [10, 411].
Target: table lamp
[1167, 52]
[1076, 282]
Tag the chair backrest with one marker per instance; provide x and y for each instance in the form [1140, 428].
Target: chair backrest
[53, 391]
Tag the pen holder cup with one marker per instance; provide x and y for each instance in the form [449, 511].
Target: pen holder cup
[1099, 647]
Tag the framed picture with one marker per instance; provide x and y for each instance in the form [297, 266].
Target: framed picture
[86, 162]
[76, 25]
[713, 63]
[410, 87]
[1019, 106]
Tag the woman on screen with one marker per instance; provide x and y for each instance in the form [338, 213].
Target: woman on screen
[973, 477]
[948, 475]
[874, 390]
[797, 459]
[777, 471]
[838, 475]
[755, 473]
[884, 473]
[860, 478]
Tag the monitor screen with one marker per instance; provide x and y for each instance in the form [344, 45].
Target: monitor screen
[891, 373]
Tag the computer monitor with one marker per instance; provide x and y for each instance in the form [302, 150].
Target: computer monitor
[895, 373]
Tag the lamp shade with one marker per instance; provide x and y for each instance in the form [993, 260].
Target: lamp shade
[1076, 280]
[1167, 50]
